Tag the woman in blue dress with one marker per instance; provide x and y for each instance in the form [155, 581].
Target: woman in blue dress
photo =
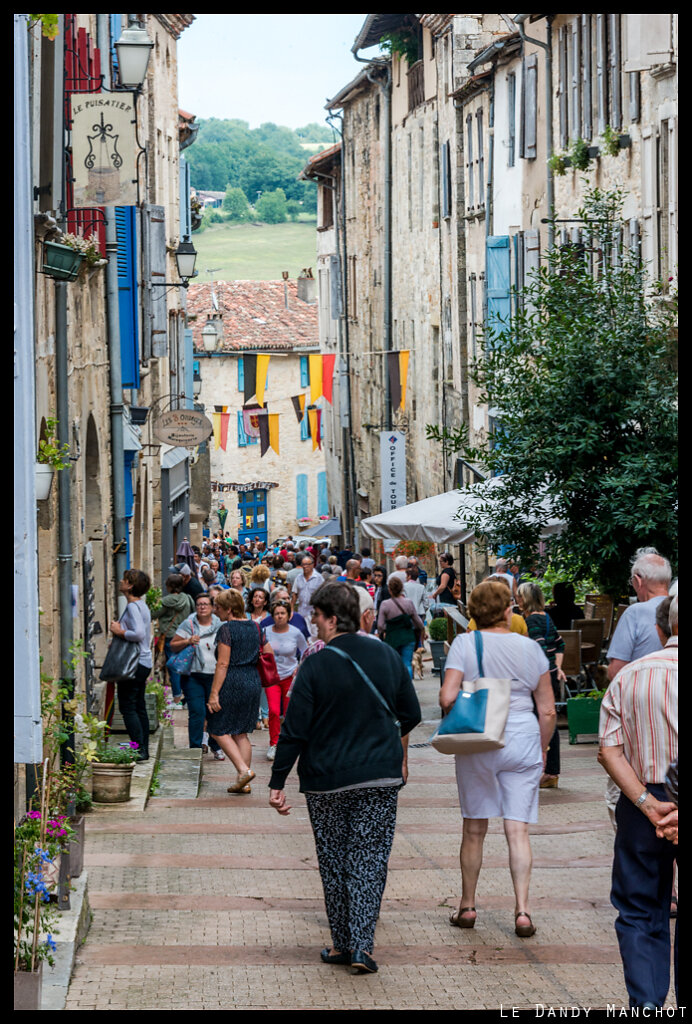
[235, 689]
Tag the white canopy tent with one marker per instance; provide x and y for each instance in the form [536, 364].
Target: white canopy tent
[434, 519]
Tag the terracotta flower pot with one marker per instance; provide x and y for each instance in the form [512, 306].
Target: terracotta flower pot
[27, 989]
[111, 782]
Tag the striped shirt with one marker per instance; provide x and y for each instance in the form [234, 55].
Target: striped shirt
[640, 713]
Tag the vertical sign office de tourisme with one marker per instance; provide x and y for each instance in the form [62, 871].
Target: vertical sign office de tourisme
[392, 469]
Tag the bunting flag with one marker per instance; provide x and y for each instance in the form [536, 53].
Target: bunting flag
[319, 428]
[225, 418]
[216, 421]
[315, 363]
[314, 432]
[249, 377]
[299, 406]
[268, 432]
[328, 376]
[251, 420]
[261, 383]
[397, 367]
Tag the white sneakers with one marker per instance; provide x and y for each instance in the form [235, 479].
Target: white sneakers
[271, 753]
[219, 755]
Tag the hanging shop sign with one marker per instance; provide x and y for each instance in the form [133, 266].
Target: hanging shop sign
[104, 149]
[183, 428]
[392, 469]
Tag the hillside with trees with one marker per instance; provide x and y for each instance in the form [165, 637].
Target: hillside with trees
[228, 156]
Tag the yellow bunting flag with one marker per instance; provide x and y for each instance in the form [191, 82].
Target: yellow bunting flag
[262, 367]
[216, 420]
[403, 371]
[273, 418]
[312, 419]
[315, 377]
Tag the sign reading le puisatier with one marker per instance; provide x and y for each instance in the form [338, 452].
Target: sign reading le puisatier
[183, 428]
[104, 149]
[392, 469]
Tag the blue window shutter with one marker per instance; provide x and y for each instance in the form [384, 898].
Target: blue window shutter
[241, 374]
[185, 211]
[498, 281]
[189, 368]
[322, 503]
[242, 436]
[125, 227]
[304, 372]
[305, 427]
[301, 495]
[116, 27]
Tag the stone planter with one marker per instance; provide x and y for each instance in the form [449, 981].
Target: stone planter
[111, 782]
[583, 714]
[27, 989]
[437, 649]
[75, 849]
[118, 725]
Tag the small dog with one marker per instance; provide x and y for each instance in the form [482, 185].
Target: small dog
[417, 662]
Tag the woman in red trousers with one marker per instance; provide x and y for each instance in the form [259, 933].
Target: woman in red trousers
[288, 644]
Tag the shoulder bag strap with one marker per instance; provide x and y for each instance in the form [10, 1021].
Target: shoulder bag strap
[359, 670]
[478, 639]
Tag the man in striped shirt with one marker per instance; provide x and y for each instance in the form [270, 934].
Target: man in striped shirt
[639, 740]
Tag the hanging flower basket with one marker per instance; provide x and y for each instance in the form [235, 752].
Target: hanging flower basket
[61, 262]
[44, 480]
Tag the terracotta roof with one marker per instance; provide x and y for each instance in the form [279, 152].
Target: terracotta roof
[254, 315]
[175, 23]
[326, 157]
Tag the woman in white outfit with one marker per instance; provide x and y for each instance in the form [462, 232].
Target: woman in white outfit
[504, 782]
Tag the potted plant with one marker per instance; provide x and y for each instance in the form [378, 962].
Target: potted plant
[38, 841]
[579, 155]
[437, 631]
[51, 456]
[583, 714]
[558, 164]
[112, 772]
[614, 141]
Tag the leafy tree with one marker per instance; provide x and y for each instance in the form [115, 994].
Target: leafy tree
[315, 132]
[293, 209]
[271, 207]
[236, 205]
[582, 384]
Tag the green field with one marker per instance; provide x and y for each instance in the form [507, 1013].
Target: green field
[255, 252]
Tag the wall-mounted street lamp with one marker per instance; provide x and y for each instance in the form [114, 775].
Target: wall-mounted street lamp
[185, 257]
[196, 380]
[134, 49]
[210, 338]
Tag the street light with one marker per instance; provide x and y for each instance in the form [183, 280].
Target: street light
[209, 336]
[133, 48]
[185, 257]
[196, 380]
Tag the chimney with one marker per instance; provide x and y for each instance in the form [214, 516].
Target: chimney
[307, 289]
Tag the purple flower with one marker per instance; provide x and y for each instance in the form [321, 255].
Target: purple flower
[34, 815]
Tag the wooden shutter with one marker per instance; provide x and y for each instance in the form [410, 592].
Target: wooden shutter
[562, 85]
[586, 96]
[185, 210]
[154, 298]
[335, 303]
[601, 73]
[615, 68]
[469, 162]
[481, 158]
[574, 82]
[498, 279]
[446, 182]
[474, 314]
[529, 119]
[188, 368]
[648, 221]
[241, 375]
[301, 495]
[511, 117]
[532, 253]
[125, 227]
[242, 436]
[634, 96]
[304, 372]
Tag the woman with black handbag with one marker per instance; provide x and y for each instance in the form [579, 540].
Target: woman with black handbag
[134, 627]
[399, 624]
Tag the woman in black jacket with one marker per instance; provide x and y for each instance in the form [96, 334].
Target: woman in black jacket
[350, 737]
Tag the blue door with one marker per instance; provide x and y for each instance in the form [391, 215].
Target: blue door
[252, 508]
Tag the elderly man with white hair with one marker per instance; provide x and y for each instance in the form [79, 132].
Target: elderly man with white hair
[635, 634]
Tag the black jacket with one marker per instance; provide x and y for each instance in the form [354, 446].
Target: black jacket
[335, 726]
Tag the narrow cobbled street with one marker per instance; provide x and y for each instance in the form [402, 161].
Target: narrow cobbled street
[215, 903]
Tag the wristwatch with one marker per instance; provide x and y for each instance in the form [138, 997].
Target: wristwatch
[642, 798]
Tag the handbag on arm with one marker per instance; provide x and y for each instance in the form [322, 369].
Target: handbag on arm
[479, 716]
[121, 661]
[266, 665]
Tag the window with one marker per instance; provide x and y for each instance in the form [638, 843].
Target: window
[301, 495]
[326, 193]
[304, 372]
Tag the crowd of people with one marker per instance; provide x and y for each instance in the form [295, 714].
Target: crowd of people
[321, 615]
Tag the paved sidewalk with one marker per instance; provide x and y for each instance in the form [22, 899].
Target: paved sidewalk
[215, 903]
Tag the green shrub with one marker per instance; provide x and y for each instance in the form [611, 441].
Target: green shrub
[437, 629]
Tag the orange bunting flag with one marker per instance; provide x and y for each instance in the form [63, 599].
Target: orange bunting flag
[314, 428]
[328, 375]
[273, 418]
[403, 372]
[315, 363]
[261, 383]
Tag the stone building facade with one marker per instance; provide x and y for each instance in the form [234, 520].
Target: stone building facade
[278, 493]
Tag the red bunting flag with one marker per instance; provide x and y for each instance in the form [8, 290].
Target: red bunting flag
[328, 375]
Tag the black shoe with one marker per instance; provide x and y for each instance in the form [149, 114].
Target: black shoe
[361, 963]
[336, 958]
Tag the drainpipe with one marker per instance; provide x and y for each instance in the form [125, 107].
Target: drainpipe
[519, 20]
[114, 357]
[64, 495]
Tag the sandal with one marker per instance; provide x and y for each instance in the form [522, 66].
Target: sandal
[457, 919]
[242, 781]
[523, 930]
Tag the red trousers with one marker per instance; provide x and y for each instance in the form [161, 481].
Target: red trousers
[275, 696]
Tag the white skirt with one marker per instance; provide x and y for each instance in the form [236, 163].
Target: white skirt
[502, 783]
